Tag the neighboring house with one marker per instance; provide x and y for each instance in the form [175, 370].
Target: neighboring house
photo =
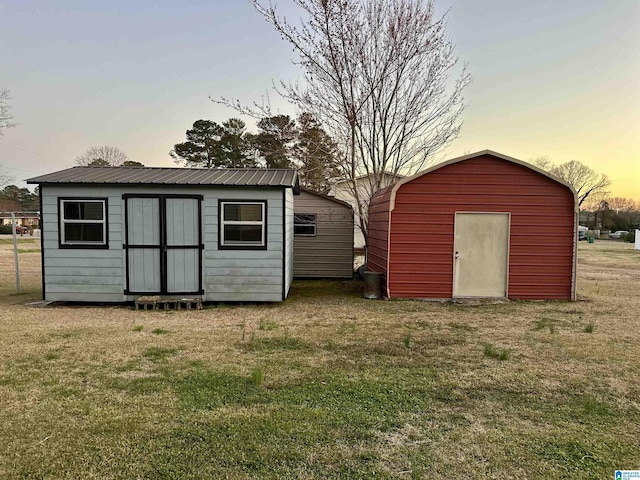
[323, 237]
[7, 207]
[30, 219]
[482, 225]
[343, 190]
[111, 234]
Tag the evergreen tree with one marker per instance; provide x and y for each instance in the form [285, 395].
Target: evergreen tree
[275, 141]
[212, 145]
[316, 155]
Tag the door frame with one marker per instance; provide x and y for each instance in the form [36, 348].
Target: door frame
[453, 253]
[163, 247]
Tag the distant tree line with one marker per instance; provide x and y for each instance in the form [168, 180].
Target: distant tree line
[27, 200]
[281, 142]
[598, 209]
[611, 213]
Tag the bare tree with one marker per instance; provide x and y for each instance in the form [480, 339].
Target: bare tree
[5, 178]
[104, 155]
[622, 204]
[595, 201]
[586, 181]
[5, 111]
[377, 76]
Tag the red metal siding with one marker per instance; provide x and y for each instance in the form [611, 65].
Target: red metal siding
[377, 251]
[422, 228]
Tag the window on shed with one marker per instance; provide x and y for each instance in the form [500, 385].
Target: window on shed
[243, 224]
[83, 223]
[304, 224]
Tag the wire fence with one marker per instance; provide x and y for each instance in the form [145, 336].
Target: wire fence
[21, 266]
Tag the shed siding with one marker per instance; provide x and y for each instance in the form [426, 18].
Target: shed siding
[87, 275]
[288, 236]
[377, 249]
[98, 275]
[422, 231]
[243, 275]
[328, 254]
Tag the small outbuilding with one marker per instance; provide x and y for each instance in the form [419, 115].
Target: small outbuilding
[323, 237]
[482, 225]
[112, 234]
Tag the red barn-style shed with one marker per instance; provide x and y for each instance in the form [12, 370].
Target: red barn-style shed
[481, 225]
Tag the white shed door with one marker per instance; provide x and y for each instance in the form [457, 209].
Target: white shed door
[481, 253]
[163, 244]
[144, 252]
[182, 245]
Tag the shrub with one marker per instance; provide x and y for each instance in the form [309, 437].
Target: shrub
[629, 237]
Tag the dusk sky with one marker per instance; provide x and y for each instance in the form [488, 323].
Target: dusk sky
[554, 78]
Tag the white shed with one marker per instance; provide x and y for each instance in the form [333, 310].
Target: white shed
[112, 234]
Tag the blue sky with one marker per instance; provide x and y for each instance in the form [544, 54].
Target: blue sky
[556, 78]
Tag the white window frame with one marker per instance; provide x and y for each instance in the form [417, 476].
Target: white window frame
[64, 221]
[314, 224]
[262, 223]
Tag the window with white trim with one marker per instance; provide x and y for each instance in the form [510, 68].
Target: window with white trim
[83, 223]
[304, 224]
[242, 224]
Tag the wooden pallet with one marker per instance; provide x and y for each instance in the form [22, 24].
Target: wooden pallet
[157, 302]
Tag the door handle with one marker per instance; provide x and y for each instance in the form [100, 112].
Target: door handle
[456, 255]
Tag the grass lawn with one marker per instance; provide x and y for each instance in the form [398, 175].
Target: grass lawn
[326, 384]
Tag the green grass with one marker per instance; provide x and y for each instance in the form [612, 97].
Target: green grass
[491, 352]
[325, 385]
[268, 325]
[159, 354]
[271, 344]
[9, 241]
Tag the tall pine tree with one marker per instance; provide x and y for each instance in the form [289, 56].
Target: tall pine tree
[212, 145]
[275, 141]
[316, 155]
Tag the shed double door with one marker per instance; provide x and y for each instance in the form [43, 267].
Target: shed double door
[481, 254]
[163, 244]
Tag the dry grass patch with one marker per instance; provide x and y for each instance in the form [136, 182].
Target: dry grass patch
[326, 384]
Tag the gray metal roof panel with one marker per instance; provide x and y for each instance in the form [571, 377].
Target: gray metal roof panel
[261, 177]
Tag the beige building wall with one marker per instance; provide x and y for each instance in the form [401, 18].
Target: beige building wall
[365, 188]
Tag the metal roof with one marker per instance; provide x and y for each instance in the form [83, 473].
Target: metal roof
[236, 177]
[328, 197]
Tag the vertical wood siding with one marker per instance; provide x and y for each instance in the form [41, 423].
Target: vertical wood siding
[422, 228]
[328, 254]
[144, 229]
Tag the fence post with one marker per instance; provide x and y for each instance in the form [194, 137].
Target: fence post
[15, 250]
